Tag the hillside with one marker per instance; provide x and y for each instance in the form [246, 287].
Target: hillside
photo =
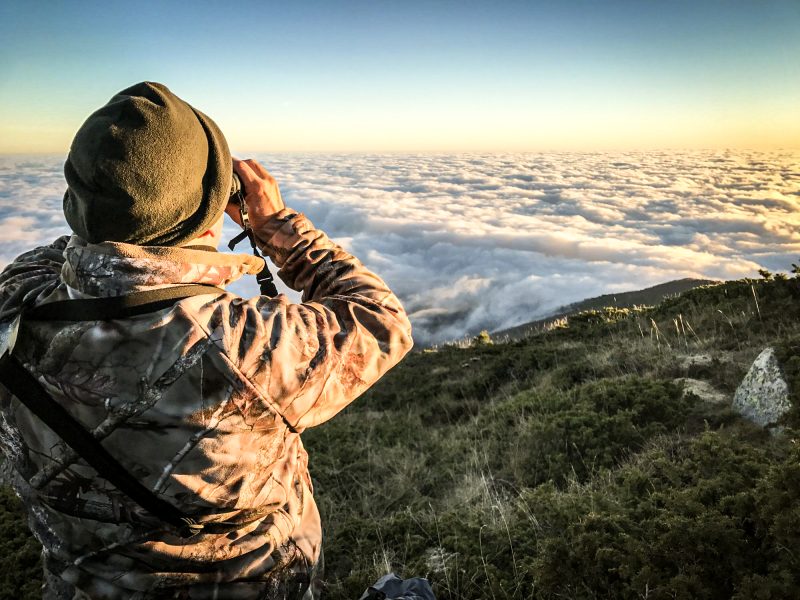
[644, 297]
[572, 464]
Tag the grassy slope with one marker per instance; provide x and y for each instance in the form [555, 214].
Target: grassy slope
[567, 465]
[571, 464]
[648, 296]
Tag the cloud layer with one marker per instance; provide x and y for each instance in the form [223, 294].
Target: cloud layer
[473, 242]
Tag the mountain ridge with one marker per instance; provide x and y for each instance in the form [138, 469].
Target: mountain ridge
[646, 296]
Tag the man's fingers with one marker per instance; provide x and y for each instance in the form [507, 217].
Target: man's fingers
[245, 171]
[259, 168]
[260, 190]
[232, 210]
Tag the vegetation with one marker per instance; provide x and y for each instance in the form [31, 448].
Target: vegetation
[575, 463]
[648, 296]
[21, 575]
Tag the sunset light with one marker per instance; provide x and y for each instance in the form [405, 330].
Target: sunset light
[361, 76]
[392, 299]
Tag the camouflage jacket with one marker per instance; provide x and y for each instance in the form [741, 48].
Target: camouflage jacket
[203, 402]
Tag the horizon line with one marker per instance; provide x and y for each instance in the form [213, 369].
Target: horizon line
[451, 152]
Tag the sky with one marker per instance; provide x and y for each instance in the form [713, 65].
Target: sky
[409, 76]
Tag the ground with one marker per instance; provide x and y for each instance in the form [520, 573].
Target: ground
[599, 459]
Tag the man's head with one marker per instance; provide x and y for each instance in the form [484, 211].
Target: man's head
[146, 169]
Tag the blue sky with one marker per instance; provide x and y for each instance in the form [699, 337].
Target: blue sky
[416, 76]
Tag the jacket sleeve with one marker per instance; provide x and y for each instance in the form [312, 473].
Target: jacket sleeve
[311, 360]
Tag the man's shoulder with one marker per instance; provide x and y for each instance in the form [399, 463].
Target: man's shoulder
[50, 256]
[31, 276]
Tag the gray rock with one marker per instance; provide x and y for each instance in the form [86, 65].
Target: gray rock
[703, 390]
[696, 360]
[763, 395]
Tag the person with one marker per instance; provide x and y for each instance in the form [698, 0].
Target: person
[202, 401]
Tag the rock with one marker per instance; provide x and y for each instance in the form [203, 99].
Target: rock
[696, 360]
[703, 390]
[763, 395]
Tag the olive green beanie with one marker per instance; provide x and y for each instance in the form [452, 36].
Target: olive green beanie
[146, 169]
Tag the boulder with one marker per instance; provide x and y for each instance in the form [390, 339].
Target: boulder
[763, 395]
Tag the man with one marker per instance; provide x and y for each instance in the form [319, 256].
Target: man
[202, 401]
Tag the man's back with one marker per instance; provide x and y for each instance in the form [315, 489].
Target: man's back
[203, 402]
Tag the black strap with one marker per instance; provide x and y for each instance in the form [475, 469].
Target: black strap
[117, 307]
[31, 393]
[264, 278]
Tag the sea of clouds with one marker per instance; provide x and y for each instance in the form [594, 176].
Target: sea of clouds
[472, 242]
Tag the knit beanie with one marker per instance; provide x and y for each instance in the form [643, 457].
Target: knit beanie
[146, 169]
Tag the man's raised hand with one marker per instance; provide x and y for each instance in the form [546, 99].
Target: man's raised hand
[261, 193]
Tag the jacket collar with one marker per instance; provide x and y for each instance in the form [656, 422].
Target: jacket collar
[113, 268]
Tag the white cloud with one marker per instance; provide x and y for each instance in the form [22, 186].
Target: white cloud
[488, 241]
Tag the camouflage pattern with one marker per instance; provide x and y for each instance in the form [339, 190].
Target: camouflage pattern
[204, 402]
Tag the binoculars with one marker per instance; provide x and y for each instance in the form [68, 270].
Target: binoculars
[237, 189]
[264, 277]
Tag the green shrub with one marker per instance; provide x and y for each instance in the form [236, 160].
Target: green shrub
[708, 517]
[788, 354]
[20, 553]
[575, 434]
[482, 339]
[711, 518]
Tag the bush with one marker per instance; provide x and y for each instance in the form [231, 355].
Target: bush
[576, 434]
[21, 575]
[788, 354]
[713, 518]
